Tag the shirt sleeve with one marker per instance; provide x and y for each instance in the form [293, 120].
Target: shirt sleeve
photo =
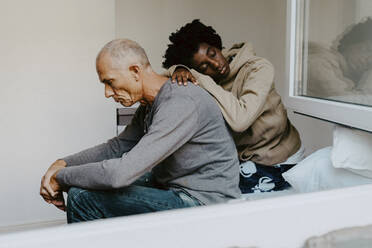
[174, 123]
[241, 111]
[113, 148]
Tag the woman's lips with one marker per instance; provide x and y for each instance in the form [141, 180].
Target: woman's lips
[224, 70]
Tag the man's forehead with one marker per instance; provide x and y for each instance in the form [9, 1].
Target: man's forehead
[103, 71]
[101, 77]
[102, 59]
[104, 63]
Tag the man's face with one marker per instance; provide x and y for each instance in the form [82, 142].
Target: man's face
[120, 83]
[210, 61]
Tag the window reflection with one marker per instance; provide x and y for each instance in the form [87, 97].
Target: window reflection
[338, 56]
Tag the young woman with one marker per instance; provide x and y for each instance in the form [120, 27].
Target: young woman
[243, 86]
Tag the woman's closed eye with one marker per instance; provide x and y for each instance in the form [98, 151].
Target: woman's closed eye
[212, 53]
[203, 68]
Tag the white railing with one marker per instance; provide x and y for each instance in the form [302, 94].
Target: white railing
[285, 221]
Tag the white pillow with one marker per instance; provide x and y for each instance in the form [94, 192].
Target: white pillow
[352, 150]
[316, 172]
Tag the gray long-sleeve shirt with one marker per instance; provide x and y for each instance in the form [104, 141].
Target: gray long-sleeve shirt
[182, 137]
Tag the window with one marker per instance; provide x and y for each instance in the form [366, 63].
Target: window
[330, 60]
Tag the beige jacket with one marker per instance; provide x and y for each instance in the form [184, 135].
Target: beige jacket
[252, 108]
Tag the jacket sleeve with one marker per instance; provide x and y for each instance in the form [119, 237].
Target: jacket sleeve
[171, 69]
[113, 148]
[170, 129]
[242, 110]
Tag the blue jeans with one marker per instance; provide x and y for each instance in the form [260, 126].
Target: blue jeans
[140, 197]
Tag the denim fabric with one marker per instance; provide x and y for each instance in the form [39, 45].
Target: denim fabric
[140, 197]
[260, 178]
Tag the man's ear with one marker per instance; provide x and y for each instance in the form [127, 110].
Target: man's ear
[135, 71]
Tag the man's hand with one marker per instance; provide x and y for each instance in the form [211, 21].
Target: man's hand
[182, 75]
[59, 201]
[50, 189]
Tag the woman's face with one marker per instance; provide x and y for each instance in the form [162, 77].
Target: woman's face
[210, 61]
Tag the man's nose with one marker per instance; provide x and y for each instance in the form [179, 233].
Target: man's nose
[108, 91]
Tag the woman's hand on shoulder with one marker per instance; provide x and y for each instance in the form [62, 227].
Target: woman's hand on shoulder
[183, 76]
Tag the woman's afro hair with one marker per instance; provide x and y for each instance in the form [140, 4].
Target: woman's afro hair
[185, 42]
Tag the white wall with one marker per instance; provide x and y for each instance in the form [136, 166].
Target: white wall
[51, 102]
[151, 22]
[363, 9]
[262, 22]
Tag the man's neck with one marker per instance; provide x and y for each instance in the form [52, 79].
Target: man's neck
[152, 82]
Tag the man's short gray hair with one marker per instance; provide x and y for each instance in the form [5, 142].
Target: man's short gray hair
[125, 51]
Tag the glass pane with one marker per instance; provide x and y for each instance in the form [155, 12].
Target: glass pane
[335, 50]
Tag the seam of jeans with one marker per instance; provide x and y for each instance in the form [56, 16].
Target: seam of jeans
[74, 196]
[195, 201]
[149, 201]
[186, 199]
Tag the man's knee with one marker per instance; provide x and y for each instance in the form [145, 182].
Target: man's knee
[79, 207]
[75, 197]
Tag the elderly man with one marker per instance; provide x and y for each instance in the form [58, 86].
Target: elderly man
[177, 134]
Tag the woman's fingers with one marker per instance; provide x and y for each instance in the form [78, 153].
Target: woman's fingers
[179, 79]
[183, 77]
[193, 80]
[174, 78]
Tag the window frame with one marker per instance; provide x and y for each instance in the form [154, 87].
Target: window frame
[348, 114]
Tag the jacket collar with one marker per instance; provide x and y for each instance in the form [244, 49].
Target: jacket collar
[237, 56]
